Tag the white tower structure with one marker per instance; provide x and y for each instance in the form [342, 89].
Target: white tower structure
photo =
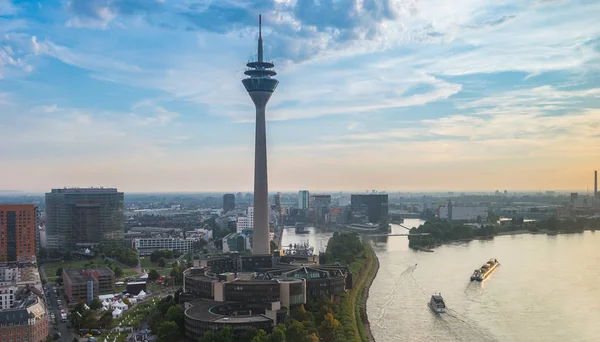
[260, 86]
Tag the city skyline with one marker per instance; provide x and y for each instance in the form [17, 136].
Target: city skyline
[145, 96]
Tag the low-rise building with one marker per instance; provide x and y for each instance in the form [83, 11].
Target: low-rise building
[26, 320]
[86, 284]
[23, 315]
[14, 277]
[145, 246]
[236, 242]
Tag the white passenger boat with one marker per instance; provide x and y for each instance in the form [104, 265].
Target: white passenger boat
[437, 304]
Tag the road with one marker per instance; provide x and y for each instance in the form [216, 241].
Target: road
[67, 334]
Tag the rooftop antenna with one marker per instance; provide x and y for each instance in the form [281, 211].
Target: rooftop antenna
[260, 43]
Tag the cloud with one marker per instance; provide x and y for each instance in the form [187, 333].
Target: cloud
[100, 13]
[352, 126]
[7, 8]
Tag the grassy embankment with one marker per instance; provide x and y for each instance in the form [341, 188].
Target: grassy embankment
[352, 313]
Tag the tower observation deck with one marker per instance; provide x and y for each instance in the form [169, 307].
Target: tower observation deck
[260, 86]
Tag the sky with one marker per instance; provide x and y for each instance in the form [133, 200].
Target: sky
[393, 95]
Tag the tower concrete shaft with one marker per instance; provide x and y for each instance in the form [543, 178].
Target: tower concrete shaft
[261, 183]
[260, 87]
[596, 183]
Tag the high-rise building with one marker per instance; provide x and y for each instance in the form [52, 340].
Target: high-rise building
[320, 204]
[373, 207]
[260, 86]
[303, 199]
[18, 228]
[228, 202]
[83, 216]
[277, 200]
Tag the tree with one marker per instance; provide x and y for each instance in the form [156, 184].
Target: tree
[43, 253]
[226, 335]
[274, 246]
[328, 328]
[68, 256]
[278, 334]
[261, 336]
[168, 332]
[208, 336]
[300, 314]
[153, 275]
[95, 304]
[154, 322]
[126, 301]
[161, 262]
[295, 331]
[118, 271]
[176, 314]
[106, 320]
[59, 272]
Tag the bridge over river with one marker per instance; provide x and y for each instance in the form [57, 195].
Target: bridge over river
[416, 234]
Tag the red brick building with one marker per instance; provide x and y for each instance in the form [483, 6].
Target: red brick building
[17, 232]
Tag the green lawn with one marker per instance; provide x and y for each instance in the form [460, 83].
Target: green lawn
[51, 268]
[147, 265]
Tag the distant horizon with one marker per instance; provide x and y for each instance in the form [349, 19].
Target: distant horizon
[455, 192]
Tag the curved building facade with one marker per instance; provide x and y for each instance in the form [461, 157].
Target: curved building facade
[206, 315]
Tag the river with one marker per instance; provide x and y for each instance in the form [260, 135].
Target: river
[547, 288]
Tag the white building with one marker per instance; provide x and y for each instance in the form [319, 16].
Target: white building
[463, 213]
[145, 246]
[7, 296]
[245, 222]
[585, 202]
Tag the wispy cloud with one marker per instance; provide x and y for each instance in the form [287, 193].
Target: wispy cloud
[440, 83]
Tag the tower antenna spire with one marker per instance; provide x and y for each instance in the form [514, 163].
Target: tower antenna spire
[260, 43]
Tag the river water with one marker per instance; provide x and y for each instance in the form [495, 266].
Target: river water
[547, 288]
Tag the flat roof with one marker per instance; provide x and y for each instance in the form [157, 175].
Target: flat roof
[76, 276]
[104, 271]
[201, 310]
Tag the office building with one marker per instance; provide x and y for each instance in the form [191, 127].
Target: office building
[245, 222]
[277, 200]
[236, 242]
[369, 208]
[18, 231]
[260, 86]
[452, 212]
[145, 246]
[87, 284]
[320, 204]
[83, 216]
[228, 202]
[303, 199]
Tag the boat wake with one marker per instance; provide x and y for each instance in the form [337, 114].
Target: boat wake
[392, 296]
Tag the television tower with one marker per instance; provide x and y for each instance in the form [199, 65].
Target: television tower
[260, 86]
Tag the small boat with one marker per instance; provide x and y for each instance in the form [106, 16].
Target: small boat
[301, 229]
[485, 270]
[437, 304]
